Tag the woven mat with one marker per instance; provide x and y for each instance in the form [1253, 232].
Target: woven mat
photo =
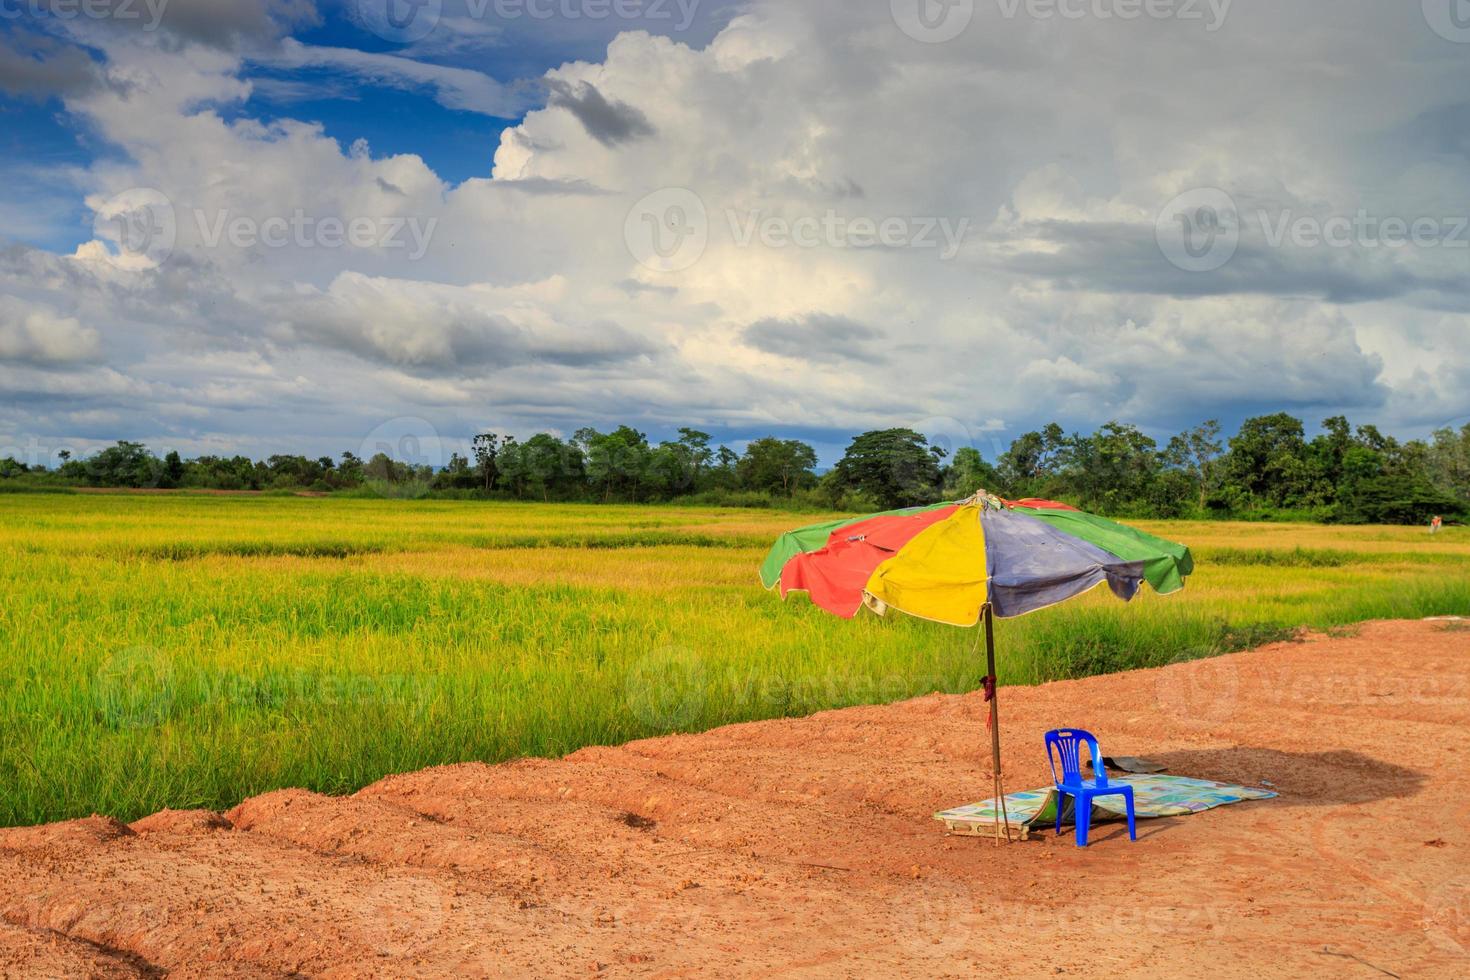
[1153, 796]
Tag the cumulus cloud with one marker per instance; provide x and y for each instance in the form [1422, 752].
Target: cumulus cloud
[815, 338]
[37, 334]
[435, 328]
[534, 302]
[36, 66]
[610, 123]
[219, 23]
[455, 88]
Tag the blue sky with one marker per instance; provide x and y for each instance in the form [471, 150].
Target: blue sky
[804, 218]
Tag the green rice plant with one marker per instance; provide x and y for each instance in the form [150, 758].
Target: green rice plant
[194, 650]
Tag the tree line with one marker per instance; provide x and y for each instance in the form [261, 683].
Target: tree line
[1268, 469]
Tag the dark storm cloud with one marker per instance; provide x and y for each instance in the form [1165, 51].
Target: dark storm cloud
[450, 338]
[219, 23]
[34, 66]
[610, 123]
[816, 337]
[1113, 257]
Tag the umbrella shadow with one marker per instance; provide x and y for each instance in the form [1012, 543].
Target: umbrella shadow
[1300, 779]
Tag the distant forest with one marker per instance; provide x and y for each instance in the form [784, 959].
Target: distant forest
[1267, 470]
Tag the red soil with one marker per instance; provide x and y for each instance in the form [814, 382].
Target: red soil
[806, 847]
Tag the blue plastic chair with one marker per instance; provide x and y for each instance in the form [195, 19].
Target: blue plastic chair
[1066, 744]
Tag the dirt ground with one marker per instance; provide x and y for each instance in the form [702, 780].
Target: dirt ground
[807, 848]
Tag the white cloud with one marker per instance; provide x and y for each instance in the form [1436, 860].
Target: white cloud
[1058, 141]
[37, 334]
[455, 88]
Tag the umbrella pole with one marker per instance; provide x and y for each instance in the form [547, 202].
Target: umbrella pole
[1000, 791]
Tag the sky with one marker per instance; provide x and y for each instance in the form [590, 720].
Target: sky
[263, 226]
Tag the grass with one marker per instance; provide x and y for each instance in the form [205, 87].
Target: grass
[192, 651]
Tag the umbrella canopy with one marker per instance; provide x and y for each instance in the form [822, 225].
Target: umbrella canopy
[965, 563]
[947, 562]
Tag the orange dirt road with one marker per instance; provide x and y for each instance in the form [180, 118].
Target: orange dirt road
[806, 848]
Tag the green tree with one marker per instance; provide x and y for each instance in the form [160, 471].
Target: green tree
[1448, 461]
[1196, 452]
[1267, 461]
[968, 473]
[543, 466]
[126, 464]
[1033, 458]
[486, 446]
[776, 465]
[349, 470]
[457, 474]
[1112, 469]
[667, 472]
[896, 467]
[173, 469]
[616, 461]
[695, 454]
[721, 474]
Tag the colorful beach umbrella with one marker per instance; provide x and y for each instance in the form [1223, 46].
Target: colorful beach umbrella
[968, 562]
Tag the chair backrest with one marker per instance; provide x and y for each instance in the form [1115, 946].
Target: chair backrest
[1065, 744]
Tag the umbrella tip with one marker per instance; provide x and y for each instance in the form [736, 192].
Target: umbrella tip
[983, 498]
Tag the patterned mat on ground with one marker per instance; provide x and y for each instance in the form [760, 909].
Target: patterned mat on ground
[1153, 796]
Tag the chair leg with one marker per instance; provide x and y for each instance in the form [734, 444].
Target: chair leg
[1061, 801]
[1084, 817]
[1132, 829]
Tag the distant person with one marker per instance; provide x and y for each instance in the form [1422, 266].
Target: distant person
[1436, 524]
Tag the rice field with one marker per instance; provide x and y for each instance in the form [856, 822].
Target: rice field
[188, 651]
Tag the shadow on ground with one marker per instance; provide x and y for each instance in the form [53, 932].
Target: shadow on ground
[1331, 778]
